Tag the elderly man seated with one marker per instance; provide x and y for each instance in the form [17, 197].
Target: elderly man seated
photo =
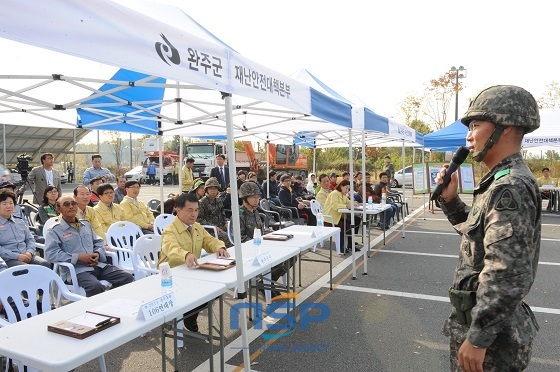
[182, 243]
[73, 240]
[135, 210]
[17, 245]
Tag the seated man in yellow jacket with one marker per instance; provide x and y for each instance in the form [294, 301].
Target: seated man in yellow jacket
[107, 212]
[183, 240]
[135, 210]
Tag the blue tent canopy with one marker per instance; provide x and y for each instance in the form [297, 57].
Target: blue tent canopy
[123, 108]
[448, 138]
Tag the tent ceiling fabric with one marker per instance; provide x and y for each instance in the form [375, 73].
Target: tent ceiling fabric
[36, 140]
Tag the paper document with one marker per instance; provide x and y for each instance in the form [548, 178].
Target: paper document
[121, 307]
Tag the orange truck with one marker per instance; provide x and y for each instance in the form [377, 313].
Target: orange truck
[282, 158]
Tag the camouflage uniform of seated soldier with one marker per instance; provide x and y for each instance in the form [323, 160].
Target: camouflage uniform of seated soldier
[249, 219]
[211, 210]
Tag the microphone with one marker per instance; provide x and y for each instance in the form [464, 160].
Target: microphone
[460, 156]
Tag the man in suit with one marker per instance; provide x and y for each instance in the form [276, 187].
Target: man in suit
[43, 176]
[221, 172]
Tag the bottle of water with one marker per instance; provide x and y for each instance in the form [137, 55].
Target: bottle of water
[320, 220]
[370, 202]
[166, 278]
[257, 240]
[384, 198]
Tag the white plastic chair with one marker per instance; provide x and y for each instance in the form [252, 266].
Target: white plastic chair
[145, 256]
[59, 267]
[161, 222]
[34, 280]
[121, 237]
[317, 208]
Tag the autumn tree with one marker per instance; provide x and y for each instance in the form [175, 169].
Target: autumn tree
[410, 108]
[439, 94]
[420, 126]
[551, 97]
[116, 145]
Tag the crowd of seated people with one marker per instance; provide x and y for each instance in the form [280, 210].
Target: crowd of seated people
[84, 218]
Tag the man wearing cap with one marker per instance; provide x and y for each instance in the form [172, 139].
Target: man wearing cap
[136, 211]
[490, 327]
[43, 176]
[96, 170]
[73, 240]
[546, 180]
[249, 219]
[211, 210]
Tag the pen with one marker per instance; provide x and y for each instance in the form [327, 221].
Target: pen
[104, 322]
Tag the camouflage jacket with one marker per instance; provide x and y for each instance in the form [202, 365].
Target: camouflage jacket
[499, 254]
[212, 212]
[248, 221]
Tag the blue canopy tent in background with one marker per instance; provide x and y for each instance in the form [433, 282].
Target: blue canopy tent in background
[449, 138]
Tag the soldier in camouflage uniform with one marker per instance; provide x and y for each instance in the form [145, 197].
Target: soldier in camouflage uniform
[211, 210]
[490, 327]
[249, 219]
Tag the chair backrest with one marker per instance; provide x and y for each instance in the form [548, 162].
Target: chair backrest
[316, 207]
[123, 234]
[230, 237]
[145, 255]
[30, 212]
[265, 204]
[153, 204]
[50, 222]
[121, 237]
[161, 222]
[31, 281]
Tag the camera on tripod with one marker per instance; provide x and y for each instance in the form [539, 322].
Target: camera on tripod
[23, 165]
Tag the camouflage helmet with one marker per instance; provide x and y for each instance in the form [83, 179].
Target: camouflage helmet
[249, 188]
[505, 105]
[212, 182]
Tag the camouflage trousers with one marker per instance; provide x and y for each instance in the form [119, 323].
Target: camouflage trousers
[503, 355]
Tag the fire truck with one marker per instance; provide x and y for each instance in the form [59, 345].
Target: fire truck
[149, 146]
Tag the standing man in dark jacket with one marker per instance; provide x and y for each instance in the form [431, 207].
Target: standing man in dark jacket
[221, 172]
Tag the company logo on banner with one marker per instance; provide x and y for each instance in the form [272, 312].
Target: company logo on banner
[197, 60]
[401, 131]
[165, 48]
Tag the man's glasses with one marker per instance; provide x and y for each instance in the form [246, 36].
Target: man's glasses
[133, 187]
[66, 204]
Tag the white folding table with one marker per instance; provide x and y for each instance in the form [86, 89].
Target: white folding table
[306, 237]
[30, 342]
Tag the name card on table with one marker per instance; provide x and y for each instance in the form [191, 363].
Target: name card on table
[157, 307]
[317, 232]
[263, 259]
